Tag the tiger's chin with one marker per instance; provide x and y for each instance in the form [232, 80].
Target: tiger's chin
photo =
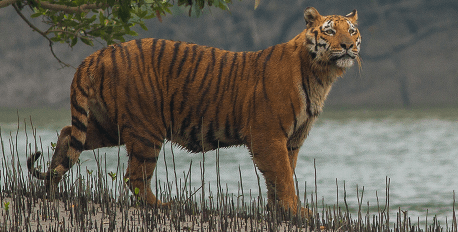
[345, 62]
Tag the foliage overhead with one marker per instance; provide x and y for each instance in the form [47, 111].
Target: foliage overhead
[99, 20]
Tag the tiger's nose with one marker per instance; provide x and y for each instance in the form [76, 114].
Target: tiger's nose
[346, 42]
[346, 45]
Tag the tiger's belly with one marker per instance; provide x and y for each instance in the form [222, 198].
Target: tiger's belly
[199, 140]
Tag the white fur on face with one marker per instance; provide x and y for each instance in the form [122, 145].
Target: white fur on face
[353, 30]
[328, 25]
[345, 62]
[358, 43]
[321, 48]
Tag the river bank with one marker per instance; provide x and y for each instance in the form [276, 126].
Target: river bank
[395, 171]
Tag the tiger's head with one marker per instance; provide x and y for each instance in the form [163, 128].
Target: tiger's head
[334, 39]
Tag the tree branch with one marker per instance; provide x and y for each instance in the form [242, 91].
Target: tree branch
[41, 33]
[57, 7]
[76, 34]
[29, 23]
[6, 3]
[69, 9]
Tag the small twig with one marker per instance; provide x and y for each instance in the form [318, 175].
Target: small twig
[192, 194]
[76, 34]
[43, 34]
[6, 3]
[68, 9]
[29, 23]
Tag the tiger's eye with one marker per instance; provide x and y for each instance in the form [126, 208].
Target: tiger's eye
[330, 32]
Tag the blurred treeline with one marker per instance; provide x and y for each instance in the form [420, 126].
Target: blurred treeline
[409, 49]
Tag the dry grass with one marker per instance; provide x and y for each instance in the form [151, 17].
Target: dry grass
[99, 201]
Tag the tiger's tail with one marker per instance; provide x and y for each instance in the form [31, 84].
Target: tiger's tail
[34, 171]
[72, 138]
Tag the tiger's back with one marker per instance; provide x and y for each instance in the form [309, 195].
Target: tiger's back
[142, 92]
[197, 100]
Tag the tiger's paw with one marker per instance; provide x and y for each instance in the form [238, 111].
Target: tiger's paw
[166, 205]
[156, 203]
[306, 213]
[289, 212]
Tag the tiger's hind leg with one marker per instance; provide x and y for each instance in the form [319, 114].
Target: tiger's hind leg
[101, 132]
[97, 136]
[59, 163]
[143, 157]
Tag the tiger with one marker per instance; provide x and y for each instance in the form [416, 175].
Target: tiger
[147, 91]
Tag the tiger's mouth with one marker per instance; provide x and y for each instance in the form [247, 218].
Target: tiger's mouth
[344, 61]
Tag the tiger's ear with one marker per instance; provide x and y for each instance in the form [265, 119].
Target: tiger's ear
[311, 15]
[353, 16]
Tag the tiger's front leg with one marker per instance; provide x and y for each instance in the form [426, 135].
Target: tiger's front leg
[273, 160]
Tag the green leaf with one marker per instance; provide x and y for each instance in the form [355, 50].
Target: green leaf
[132, 33]
[141, 13]
[136, 191]
[168, 9]
[87, 41]
[74, 41]
[38, 14]
[124, 11]
[6, 206]
[113, 21]
[112, 175]
[102, 18]
[56, 39]
[143, 26]
[223, 5]
[96, 33]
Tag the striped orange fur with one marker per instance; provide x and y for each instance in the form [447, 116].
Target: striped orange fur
[143, 92]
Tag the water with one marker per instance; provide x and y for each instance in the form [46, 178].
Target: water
[416, 150]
